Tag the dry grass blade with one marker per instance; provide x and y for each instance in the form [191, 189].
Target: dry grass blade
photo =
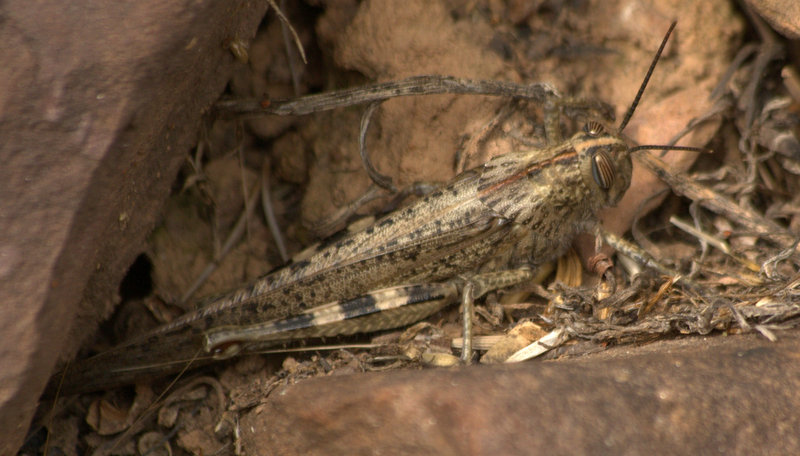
[269, 214]
[547, 342]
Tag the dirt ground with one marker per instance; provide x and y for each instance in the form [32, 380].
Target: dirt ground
[311, 168]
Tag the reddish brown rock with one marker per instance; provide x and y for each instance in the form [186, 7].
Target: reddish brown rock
[783, 15]
[726, 395]
[100, 103]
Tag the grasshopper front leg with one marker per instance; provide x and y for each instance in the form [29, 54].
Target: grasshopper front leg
[477, 286]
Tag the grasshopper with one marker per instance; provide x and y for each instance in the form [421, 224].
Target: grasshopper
[486, 229]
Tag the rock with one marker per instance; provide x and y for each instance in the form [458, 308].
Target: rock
[783, 15]
[728, 395]
[100, 103]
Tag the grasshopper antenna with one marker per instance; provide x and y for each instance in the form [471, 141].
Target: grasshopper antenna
[646, 79]
[638, 96]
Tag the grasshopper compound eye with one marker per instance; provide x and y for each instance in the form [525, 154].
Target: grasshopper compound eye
[593, 128]
[603, 169]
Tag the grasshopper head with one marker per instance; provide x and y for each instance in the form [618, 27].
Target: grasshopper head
[605, 157]
[605, 163]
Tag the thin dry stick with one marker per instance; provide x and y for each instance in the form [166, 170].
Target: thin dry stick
[52, 414]
[743, 54]
[269, 213]
[769, 268]
[338, 220]
[291, 29]
[769, 50]
[234, 237]
[791, 80]
[138, 423]
[711, 240]
[289, 54]
[243, 179]
[472, 144]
